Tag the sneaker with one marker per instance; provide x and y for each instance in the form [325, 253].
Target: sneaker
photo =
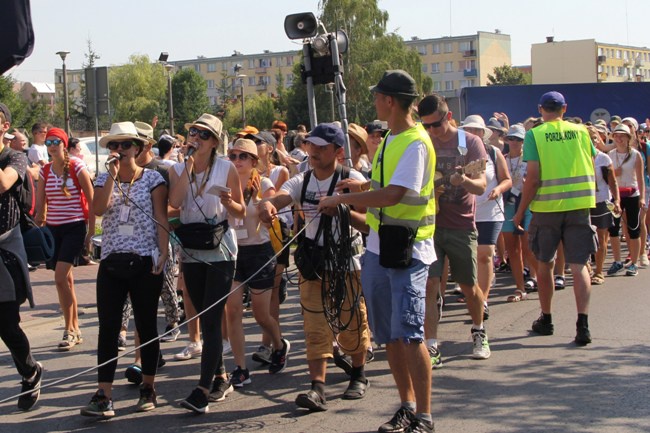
[33, 384]
[227, 348]
[631, 270]
[541, 327]
[192, 350]
[530, 285]
[99, 405]
[263, 354]
[279, 357]
[220, 389]
[173, 335]
[197, 402]
[583, 336]
[311, 400]
[121, 343]
[457, 290]
[436, 357]
[147, 400]
[560, 284]
[481, 346]
[134, 374]
[615, 268]
[240, 377]
[400, 422]
[486, 312]
[421, 426]
[68, 341]
[643, 261]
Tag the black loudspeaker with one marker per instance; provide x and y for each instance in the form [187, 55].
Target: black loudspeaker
[101, 87]
[300, 26]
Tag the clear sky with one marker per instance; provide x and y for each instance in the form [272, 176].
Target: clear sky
[213, 28]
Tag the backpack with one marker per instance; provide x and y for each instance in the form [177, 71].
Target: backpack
[73, 175]
[22, 192]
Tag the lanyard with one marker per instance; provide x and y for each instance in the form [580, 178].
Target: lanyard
[206, 176]
[125, 197]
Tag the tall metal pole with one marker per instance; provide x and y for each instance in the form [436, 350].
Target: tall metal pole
[66, 108]
[243, 106]
[170, 101]
[330, 90]
[311, 99]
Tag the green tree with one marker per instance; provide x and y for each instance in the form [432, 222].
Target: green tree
[189, 91]
[260, 112]
[138, 91]
[23, 113]
[372, 51]
[506, 75]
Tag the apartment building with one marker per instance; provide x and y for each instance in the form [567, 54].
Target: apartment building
[456, 62]
[588, 61]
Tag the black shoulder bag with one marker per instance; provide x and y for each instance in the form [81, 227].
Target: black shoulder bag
[395, 242]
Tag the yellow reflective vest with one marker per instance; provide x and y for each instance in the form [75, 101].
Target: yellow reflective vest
[567, 179]
[418, 213]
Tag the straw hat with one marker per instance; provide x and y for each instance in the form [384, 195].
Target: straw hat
[120, 131]
[211, 123]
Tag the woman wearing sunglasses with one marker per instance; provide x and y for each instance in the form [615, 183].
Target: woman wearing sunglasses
[255, 255]
[207, 190]
[134, 251]
[62, 201]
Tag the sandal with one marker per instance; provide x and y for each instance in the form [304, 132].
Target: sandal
[519, 295]
[597, 279]
[560, 283]
[530, 285]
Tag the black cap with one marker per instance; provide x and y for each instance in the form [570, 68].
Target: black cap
[6, 112]
[396, 82]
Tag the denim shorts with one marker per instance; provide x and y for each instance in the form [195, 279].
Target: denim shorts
[253, 258]
[402, 317]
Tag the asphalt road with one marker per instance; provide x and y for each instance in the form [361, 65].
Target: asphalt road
[530, 384]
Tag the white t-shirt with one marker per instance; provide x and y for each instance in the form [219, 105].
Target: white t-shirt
[38, 152]
[250, 230]
[315, 190]
[411, 173]
[602, 188]
[628, 169]
[489, 210]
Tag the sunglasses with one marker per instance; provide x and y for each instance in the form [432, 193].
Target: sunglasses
[203, 134]
[54, 142]
[514, 139]
[242, 156]
[437, 124]
[113, 145]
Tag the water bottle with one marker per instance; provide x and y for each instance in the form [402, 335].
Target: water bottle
[611, 208]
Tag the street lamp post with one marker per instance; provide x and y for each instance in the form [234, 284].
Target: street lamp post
[241, 77]
[66, 109]
[330, 89]
[170, 102]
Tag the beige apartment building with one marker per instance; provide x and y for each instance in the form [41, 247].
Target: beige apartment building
[456, 62]
[588, 61]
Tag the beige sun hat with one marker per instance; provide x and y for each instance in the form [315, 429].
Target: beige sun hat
[476, 121]
[145, 131]
[211, 123]
[360, 135]
[120, 131]
[245, 145]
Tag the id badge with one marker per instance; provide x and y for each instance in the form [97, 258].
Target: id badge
[124, 213]
[197, 203]
[515, 191]
[125, 229]
[242, 233]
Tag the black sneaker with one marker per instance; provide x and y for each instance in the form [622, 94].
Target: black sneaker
[583, 336]
[279, 357]
[27, 401]
[240, 377]
[541, 327]
[311, 400]
[400, 422]
[196, 402]
[421, 426]
[220, 389]
[100, 406]
[147, 400]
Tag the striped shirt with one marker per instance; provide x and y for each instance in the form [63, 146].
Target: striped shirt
[62, 209]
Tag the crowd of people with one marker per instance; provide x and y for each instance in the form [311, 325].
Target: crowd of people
[417, 202]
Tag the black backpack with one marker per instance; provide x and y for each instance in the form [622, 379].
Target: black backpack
[23, 192]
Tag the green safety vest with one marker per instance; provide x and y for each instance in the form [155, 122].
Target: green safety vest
[567, 179]
[418, 213]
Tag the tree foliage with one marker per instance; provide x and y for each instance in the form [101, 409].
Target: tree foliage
[190, 99]
[260, 112]
[506, 75]
[372, 51]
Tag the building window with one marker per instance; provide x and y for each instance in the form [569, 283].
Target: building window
[251, 63]
[436, 86]
[224, 66]
[212, 67]
[466, 83]
[265, 63]
[449, 66]
[621, 71]
[448, 47]
[435, 68]
[251, 81]
[618, 54]
[422, 49]
[289, 61]
[464, 46]
[436, 48]
[601, 51]
[210, 84]
[289, 81]
[213, 100]
[449, 85]
[425, 68]
[197, 68]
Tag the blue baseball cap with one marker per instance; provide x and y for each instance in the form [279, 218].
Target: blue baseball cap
[552, 99]
[326, 133]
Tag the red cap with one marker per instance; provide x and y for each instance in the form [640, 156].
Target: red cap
[58, 133]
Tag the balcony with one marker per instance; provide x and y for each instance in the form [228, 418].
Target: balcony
[261, 86]
[469, 53]
[602, 59]
[261, 70]
[469, 73]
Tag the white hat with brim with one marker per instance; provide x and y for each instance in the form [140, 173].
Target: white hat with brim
[209, 122]
[477, 122]
[622, 128]
[121, 131]
[145, 131]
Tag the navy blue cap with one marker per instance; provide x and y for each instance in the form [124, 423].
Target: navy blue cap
[326, 133]
[552, 99]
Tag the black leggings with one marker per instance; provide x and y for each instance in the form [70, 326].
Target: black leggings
[631, 207]
[144, 291]
[206, 284]
[15, 339]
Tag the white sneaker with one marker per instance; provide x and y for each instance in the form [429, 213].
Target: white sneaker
[227, 348]
[481, 346]
[192, 350]
[644, 262]
[172, 336]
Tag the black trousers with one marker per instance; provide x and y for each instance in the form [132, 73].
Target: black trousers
[15, 339]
